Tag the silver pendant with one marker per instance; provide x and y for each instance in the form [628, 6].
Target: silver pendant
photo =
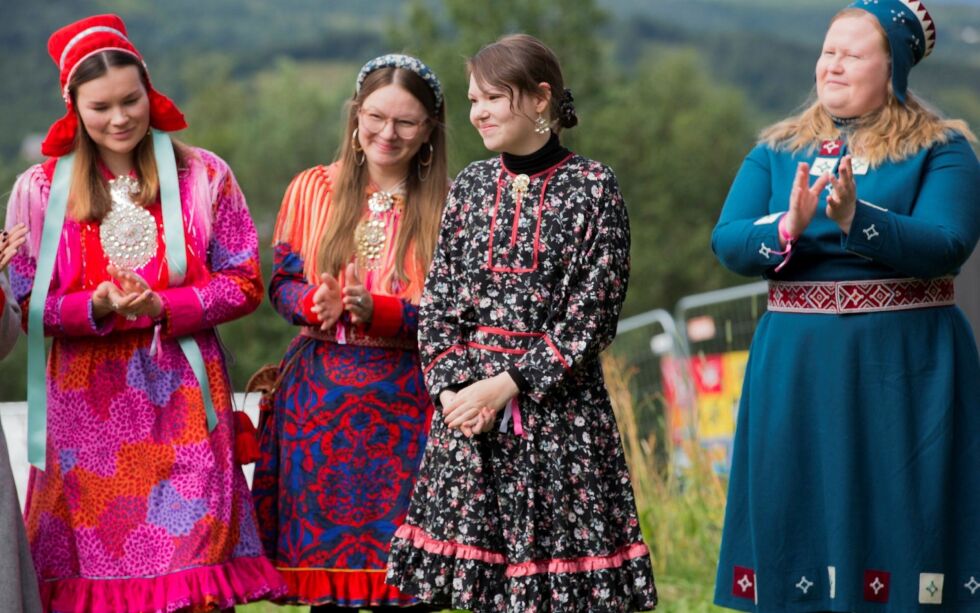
[129, 232]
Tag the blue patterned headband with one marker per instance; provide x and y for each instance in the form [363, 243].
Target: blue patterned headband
[911, 35]
[398, 60]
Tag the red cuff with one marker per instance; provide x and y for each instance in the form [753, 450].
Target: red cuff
[386, 320]
[3, 300]
[307, 307]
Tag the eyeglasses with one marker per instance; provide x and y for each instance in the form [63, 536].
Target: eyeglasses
[375, 122]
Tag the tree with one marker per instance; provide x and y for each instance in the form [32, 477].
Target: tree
[446, 39]
[675, 141]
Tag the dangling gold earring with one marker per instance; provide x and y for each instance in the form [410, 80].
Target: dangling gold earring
[356, 146]
[426, 163]
[541, 125]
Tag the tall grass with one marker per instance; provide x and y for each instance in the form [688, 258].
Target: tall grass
[681, 511]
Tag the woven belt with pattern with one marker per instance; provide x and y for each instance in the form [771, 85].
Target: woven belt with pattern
[866, 296]
[352, 337]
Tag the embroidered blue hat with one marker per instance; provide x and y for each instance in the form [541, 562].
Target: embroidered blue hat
[911, 35]
[398, 60]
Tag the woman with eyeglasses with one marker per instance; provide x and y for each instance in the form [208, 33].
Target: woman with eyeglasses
[344, 439]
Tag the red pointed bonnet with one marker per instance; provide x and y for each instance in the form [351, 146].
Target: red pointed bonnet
[78, 41]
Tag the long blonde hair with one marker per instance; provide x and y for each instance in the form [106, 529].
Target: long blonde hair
[893, 132]
[90, 199]
[419, 227]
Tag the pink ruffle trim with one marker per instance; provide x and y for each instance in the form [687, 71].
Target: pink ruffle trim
[421, 540]
[224, 585]
[579, 565]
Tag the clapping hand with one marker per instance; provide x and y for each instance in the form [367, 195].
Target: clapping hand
[842, 201]
[357, 300]
[803, 200]
[326, 301]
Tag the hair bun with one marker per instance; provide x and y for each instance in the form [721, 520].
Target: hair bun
[566, 110]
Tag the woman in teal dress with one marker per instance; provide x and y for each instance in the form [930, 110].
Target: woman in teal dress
[855, 483]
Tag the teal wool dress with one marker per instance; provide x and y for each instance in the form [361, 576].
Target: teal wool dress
[855, 483]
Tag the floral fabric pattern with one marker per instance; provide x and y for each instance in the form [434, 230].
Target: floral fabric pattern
[531, 280]
[140, 507]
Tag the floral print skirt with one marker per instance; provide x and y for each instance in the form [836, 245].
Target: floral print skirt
[541, 522]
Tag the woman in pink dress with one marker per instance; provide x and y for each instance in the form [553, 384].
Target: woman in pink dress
[140, 505]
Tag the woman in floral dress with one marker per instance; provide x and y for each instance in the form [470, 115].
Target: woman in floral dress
[524, 501]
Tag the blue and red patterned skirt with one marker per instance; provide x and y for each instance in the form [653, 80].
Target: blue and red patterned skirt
[339, 456]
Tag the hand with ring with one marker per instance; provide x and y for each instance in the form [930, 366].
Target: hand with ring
[109, 298]
[146, 302]
[357, 300]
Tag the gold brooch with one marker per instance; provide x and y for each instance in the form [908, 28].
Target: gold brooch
[370, 234]
[519, 186]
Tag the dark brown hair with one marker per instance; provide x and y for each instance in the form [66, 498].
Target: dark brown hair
[419, 227]
[517, 63]
[90, 200]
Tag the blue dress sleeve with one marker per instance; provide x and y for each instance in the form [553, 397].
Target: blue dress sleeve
[942, 229]
[746, 237]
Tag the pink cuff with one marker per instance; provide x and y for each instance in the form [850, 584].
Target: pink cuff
[787, 251]
[307, 308]
[184, 311]
[387, 317]
[76, 316]
[783, 232]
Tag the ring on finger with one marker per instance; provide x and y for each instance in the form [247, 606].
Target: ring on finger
[360, 300]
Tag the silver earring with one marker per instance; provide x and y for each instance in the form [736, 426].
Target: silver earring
[541, 125]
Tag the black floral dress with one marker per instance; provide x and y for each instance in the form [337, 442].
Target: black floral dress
[537, 515]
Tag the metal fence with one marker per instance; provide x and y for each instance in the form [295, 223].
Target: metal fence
[687, 368]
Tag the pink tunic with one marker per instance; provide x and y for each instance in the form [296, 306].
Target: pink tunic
[140, 507]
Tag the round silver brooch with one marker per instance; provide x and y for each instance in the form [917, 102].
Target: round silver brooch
[129, 232]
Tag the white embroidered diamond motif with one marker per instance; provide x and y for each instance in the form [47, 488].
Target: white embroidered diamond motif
[819, 297]
[973, 585]
[765, 250]
[870, 231]
[804, 584]
[931, 588]
[876, 585]
[745, 583]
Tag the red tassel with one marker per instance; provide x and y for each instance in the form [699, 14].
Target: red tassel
[246, 439]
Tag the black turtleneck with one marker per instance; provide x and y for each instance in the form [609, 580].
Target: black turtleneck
[547, 156]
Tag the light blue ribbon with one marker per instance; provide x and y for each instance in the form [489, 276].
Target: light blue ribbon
[37, 388]
[54, 219]
[173, 236]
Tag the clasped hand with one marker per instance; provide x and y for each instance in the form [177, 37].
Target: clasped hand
[473, 409]
[329, 300]
[803, 199]
[128, 295]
